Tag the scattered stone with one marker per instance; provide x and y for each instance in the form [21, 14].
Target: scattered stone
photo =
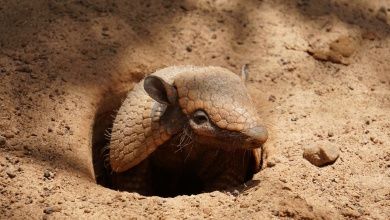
[321, 155]
[189, 49]
[344, 46]
[11, 173]
[48, 174]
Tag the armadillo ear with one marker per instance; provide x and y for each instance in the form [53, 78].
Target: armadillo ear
[159, 90]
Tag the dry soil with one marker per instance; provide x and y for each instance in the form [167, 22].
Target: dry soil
[319, 72]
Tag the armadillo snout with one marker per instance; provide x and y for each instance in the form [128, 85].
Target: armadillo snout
[257, 135]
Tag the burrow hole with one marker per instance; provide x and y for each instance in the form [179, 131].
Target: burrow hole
[188, 184]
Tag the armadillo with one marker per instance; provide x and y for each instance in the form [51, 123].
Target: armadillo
[203, 116]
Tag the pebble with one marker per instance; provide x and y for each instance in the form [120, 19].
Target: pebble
[11, 173]
[345, 46]
[321, 155]
[48, 174]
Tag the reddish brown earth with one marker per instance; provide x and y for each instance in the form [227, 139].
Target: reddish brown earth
[319, 72]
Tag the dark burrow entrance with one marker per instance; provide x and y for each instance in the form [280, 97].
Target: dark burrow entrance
[150, 178]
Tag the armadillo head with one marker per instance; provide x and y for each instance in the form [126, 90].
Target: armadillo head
[216, 105]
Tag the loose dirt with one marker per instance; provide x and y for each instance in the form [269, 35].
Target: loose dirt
[319, 71]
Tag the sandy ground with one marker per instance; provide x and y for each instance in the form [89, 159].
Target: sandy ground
[62, 61]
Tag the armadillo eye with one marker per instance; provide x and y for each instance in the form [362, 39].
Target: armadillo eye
[200, 117]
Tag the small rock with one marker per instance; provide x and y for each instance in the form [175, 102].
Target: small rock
[344, 46]
[321, 155]
[11, 173]
[189, 49]
[48, 174]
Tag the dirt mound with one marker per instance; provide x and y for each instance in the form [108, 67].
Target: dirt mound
[320, 72]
